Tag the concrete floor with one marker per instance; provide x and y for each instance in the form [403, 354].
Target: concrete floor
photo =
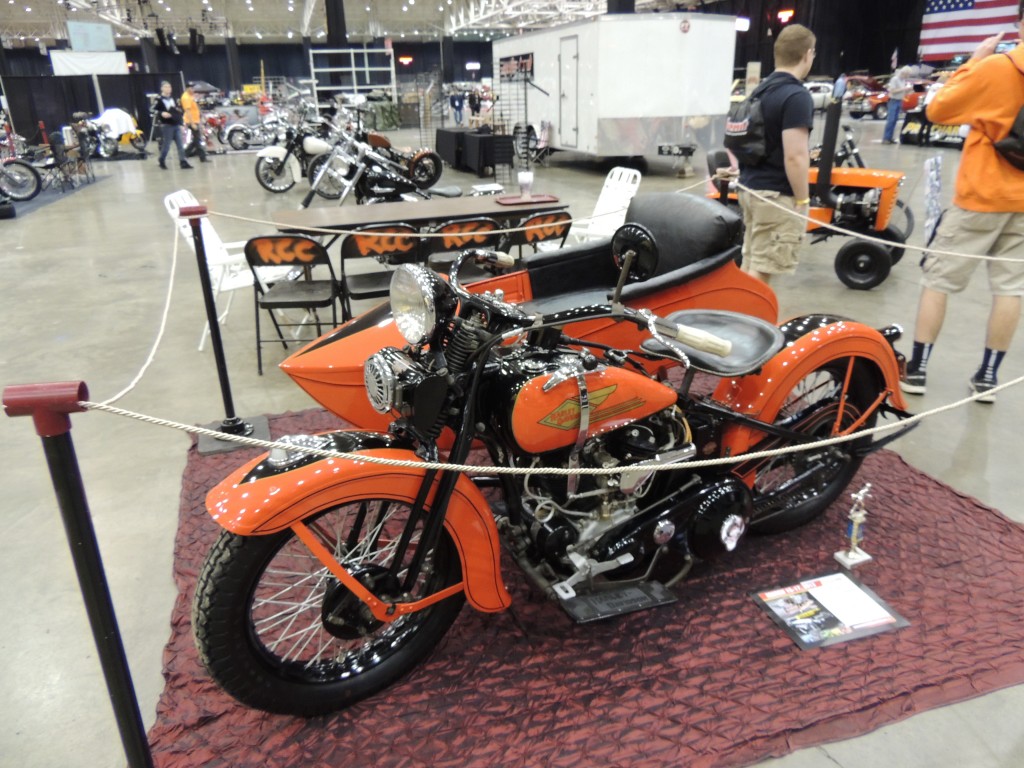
[87, 278]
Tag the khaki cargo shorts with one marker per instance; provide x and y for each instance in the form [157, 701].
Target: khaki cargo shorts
[983, 234]
[772, 237]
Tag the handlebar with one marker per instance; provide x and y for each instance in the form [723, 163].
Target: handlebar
[693, 337]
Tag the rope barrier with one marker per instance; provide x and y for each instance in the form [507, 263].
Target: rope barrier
[160, 331]
[550, 471]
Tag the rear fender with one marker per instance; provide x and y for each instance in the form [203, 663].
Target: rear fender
[761, 396]
[254, 501]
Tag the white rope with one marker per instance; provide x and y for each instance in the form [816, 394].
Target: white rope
[552, 471]
[862, 235]
[160, 332]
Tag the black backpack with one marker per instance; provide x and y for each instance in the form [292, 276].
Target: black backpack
[744, 128]
[1011, 148]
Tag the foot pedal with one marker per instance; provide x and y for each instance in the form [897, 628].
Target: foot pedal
[616, 602]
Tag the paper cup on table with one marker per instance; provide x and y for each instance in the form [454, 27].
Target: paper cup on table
[525, 184]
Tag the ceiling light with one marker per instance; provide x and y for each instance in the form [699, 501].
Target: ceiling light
[290, 34]
[259, 35]
[27, 9]
[405, 8]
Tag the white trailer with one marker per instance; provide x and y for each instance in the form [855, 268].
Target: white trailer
[622, 84]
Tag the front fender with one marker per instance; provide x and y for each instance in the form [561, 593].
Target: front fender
[249, 503]
[761, 396]
[278, 153]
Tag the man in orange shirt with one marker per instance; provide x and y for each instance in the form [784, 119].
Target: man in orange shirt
[987, 215]
[192, 118]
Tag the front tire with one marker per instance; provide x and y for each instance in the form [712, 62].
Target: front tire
[274, 175]
[238, 139]
[108, 147]
[863, 265]
[279, 633]
[331, 184]
[793, 489]
[138, 141]
[881, 112]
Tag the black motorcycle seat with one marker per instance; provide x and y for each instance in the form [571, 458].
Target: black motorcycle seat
[451, 191]
[687, 229]
[754, 341]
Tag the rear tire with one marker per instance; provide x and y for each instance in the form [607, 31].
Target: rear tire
[425, 169]
[279, 633]
[793, 489]
[20, 181]
[139, 142]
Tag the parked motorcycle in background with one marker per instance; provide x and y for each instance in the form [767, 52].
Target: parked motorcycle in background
[104, 134]
[278, 167]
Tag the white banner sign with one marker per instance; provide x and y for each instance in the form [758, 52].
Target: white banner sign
[97, 63]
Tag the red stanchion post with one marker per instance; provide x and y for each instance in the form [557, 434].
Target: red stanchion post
[49, 405]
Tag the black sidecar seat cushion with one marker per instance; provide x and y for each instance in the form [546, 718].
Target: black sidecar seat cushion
[570, 271]
[754, 341]
[686, 228]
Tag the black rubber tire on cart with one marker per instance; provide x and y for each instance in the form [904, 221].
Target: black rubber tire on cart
[863, 265]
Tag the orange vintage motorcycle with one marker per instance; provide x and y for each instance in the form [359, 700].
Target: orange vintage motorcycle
[334, 577]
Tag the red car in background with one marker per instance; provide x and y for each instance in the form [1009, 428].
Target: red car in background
[867, 96]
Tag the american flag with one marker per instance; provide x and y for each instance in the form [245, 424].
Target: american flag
[952, 27]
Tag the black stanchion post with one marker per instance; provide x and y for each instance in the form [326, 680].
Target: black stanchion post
[231, 424]
[49, 406]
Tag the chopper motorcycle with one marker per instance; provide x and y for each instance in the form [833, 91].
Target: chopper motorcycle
[334, 577]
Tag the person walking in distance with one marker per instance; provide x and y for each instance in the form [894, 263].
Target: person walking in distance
[898, 88]
[169, 113]
[773, 236]
[193, 121]
[987, 214]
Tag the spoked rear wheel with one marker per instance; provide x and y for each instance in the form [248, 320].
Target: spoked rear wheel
[278, 632]
[792, 489]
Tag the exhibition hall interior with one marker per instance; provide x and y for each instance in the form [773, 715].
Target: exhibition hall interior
[452, 383]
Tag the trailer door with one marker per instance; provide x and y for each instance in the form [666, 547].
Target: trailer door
[568, 89]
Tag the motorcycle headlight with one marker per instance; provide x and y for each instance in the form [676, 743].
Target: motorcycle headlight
[418, 298]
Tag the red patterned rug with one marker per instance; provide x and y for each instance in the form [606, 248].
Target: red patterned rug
[708, 681]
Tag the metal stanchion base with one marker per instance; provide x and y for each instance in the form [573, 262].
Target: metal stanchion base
[250, 426]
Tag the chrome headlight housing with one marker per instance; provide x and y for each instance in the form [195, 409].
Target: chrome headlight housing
[419, 298]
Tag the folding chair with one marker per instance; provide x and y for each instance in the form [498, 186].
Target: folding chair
[307, 293]
[390, 244]
[57, 167]
[540, 228]
[452, 237]
[229, 270]
[620, 185]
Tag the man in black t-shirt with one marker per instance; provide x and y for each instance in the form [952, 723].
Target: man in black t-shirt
[773, 235]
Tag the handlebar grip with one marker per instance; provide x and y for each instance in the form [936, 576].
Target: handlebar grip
[504, 259]
[702, 340]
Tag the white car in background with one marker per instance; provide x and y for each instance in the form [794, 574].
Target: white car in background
[820, 91]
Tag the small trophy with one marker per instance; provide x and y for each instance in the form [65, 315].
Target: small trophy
[855, 555]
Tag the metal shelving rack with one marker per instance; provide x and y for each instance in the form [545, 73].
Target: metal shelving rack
[352, 70]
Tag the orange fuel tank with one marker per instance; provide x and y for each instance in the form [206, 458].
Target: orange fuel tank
[544, 421]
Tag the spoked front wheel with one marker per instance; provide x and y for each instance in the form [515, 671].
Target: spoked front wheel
[792, 489]
[274, 174]
[278, 632]
[19, 181]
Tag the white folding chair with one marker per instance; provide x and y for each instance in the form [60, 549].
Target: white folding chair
[620, 185]
[229, 270]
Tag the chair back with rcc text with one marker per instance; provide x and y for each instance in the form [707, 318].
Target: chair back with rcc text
[549, 228]
[389, 245]
[308, 293]
[449, 239]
